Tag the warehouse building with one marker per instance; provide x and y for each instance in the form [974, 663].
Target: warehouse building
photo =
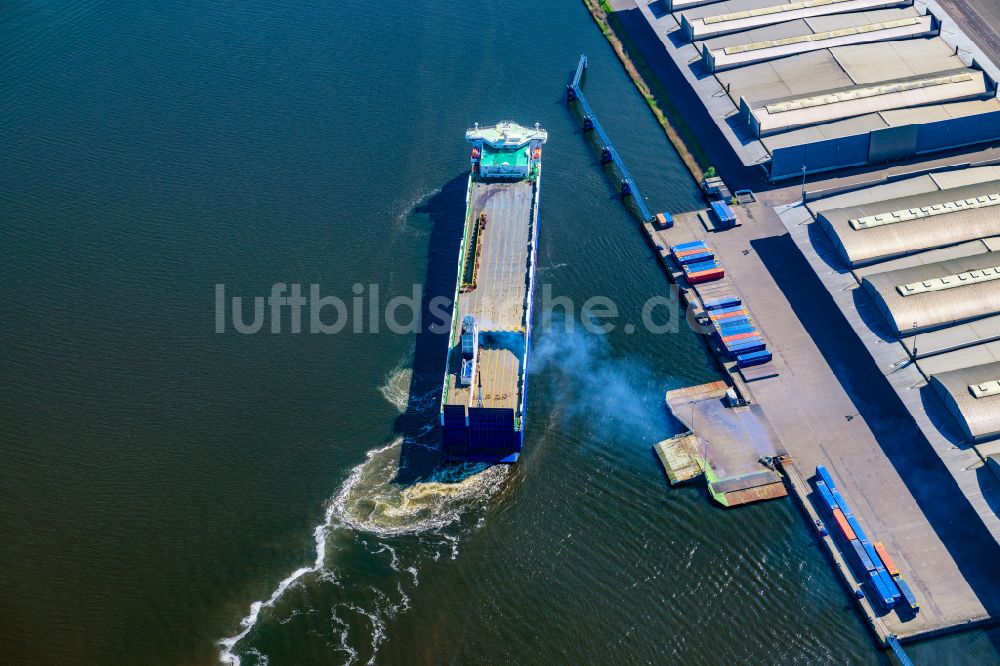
[920, 257]
[882, 137]
[885, 229]
[943, 293]
[972, 395]
[814, 34]
[821, 85]
[720, 18]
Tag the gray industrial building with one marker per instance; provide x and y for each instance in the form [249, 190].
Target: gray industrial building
[832, 84]
[821, 32]
[972, 395]
[944, 293]
[922, 255]
[731, 16]
[889, 228]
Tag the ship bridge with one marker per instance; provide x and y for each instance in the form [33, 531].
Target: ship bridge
[506, 150]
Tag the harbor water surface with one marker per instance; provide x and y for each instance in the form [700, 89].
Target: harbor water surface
[171, 495]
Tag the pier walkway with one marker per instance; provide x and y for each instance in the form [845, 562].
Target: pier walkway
[608, 151]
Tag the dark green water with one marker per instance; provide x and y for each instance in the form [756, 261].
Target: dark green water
[159, 481]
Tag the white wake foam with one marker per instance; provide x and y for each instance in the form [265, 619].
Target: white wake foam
[369, 501]
[396, 387]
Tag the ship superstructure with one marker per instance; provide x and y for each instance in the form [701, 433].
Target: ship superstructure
[485, 382]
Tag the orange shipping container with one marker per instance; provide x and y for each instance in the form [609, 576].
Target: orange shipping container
[729, 315]
[696, 250]
[845, 527]
[890, 566]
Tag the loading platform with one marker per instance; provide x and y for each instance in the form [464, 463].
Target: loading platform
[681, 457]
[725, 442]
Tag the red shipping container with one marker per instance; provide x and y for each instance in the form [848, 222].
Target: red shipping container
[705, 276]
[890, 566]
[845, 527]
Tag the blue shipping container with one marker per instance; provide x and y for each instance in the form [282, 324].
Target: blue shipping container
[742, 353]
[701, 266]
[733, 322]
[753, 358]
[726, 310]
[738, 330]
[723, 212]
[870, 549]
[827, 479]
[842, 504]
[880, 592]
[745, 345]
[859, 550]
[724, 332]
[739, 346]
[911, 601]
[856, 526]
[735, 345]
[824, 492]
[688, 246]
[889, 583]
[723, 302]
[695, 258]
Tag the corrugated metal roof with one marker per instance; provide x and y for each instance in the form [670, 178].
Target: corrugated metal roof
[829, 105]
[722, 8]
[906, 187]
[925, 258]
[738, 15]
[929, 210]
[821, 132]
[861, 92]
[807, 26]
[788, 39]
[980, 354]
[934, 309]
[955, 281]
[837, 21]
[779, 31]
[874, 121]
[891, 190]
[884, 61]
[954, 339]
[841, 67]
[849, 31]
[796, 75]
[938, 112]
[959, 177]
[912, 223]
[979, 416]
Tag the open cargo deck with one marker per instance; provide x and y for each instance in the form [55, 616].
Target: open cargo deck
[482, 407]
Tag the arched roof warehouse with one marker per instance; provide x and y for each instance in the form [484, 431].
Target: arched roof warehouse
[973, 397]
[894, 227]
[971, 290]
